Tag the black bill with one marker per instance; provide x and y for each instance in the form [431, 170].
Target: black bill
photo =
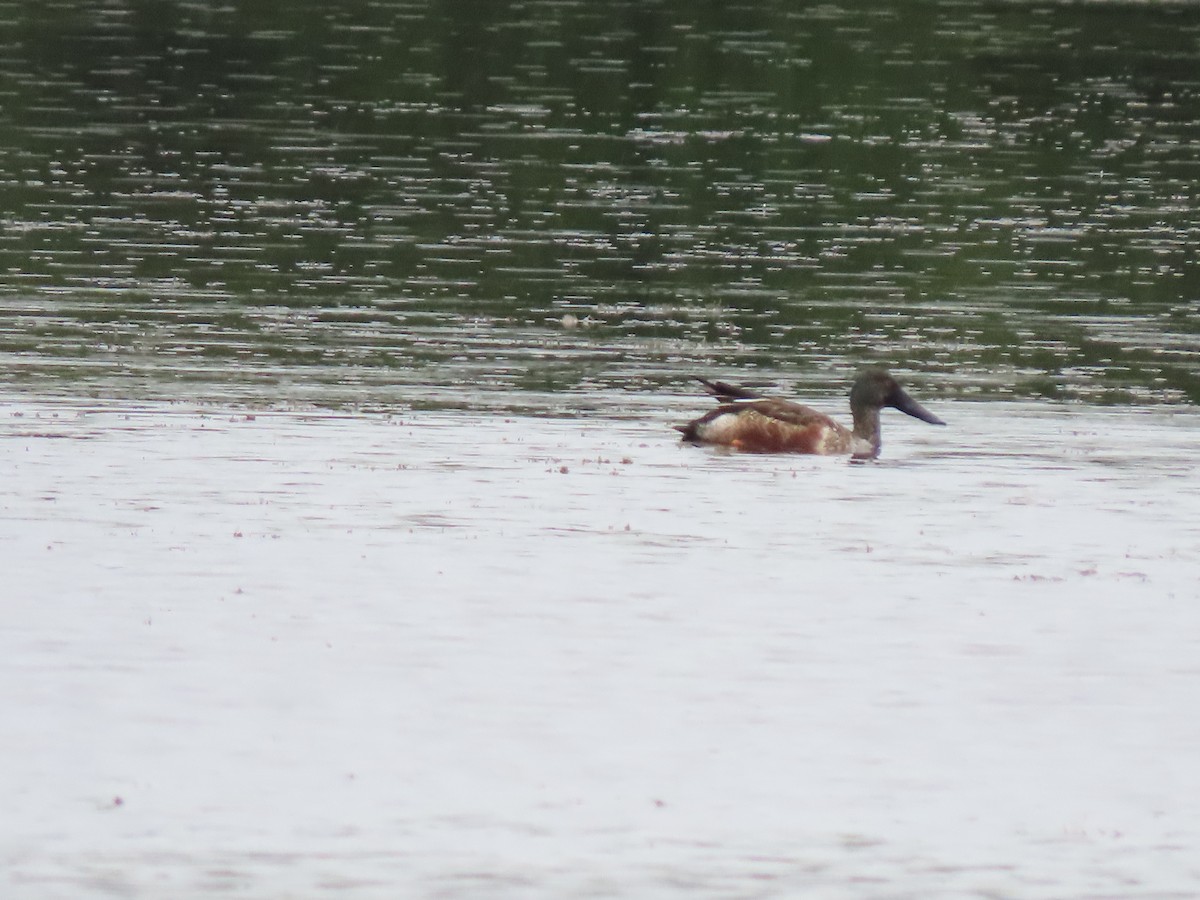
[907, 404]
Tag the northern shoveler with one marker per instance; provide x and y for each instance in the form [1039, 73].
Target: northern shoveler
[756, 424]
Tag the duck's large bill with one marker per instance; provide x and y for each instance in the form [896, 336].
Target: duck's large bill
[907, 404]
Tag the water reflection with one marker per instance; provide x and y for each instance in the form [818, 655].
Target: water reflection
[304, 648]
[341, 204]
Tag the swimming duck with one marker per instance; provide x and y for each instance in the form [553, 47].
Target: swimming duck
[756, 424]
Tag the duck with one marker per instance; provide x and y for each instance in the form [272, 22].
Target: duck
[753, 423]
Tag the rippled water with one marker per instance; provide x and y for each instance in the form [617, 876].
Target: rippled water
[339, 204]
[347, 546]
[347, 655]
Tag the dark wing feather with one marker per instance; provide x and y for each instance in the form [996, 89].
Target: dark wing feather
[726, 392]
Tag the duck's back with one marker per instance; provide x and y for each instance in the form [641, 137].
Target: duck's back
[769, 426]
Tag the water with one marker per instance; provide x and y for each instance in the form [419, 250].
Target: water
[347, 547]
[361, 655]
[338, 206]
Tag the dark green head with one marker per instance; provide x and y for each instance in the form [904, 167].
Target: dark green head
[874, 389]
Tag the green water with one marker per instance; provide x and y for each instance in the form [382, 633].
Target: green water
[535, 204]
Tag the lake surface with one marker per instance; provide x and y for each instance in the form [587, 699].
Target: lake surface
[325, 655]
[348, 549]
[341, 204]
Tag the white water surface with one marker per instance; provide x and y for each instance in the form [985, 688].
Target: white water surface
[297, 654]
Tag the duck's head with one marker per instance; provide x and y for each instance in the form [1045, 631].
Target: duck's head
[874, 389]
